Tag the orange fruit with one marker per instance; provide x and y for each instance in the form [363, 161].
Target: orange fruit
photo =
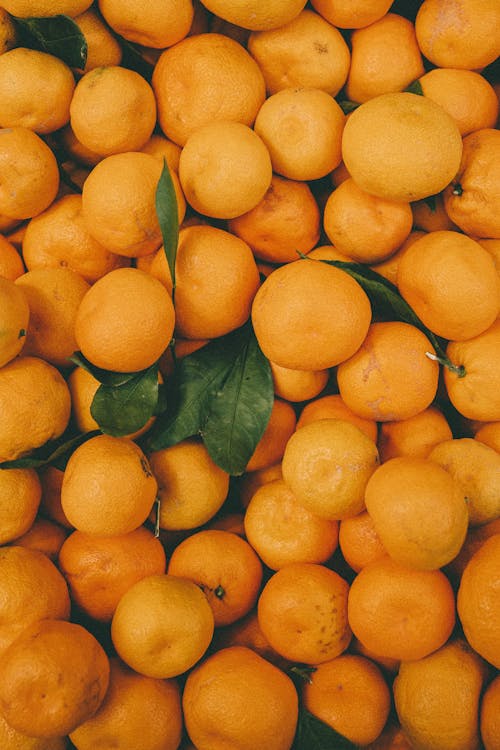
[328, 252]
[247, 632]
[30, 175]
[11, 262]
[163, 148]
[44, 536]
[332, 407]
[237, 699]
[51, 479]
[203, 78]
[302, 129]
[302, 612]
[327, 465]
[472, 201]
[25, 571]
[400, 612]
[282, 531]
[35, 405]
[401, 146]
[58, 237]
[476, 536]
[99, 570]
[478, 601]
[108, 488]
[393, 737]
[415, 436]
[338, 688]
[8, 34]
[45, 8]
[493, 247]
[15, 316]
[464, 34]
[366, 228]
[20, 495]
[306, 52]
[250, 14]
[476, 467]
[216, 281]
[429, 215]
[346, 15]
[103, 48]
[298, 385]
[250, 481]
[191, 487]
[389, 268]
[52, 663]
[490, 715]
[224, 169]
[293, 321]
[162, 626]
[113, 327]
[359, 541]
[113, 110]
[271, 446]
[226, 569]
[385, 57]
[11, 739]
[283, 224]
[157, 25]
[489, 434]
[419, 511]
[437, 697]
[137, 711]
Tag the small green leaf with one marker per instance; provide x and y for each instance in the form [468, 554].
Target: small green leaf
[346, 106]
[133, 60]
[123, 409]
[106, 377]
[415, 88]
[168, 217]
[312, 733]
[57, 35]
[54, 452]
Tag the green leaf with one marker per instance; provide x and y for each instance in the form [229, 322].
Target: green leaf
[168, 217]
[57, 35]
[415, 88]
[346, 106]
[106, 377]
[312, 733]
[54, 452]
[224, 392]
[133, 60]
[123, 409]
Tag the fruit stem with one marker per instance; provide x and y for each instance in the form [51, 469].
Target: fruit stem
[457, 189]
[219, 592]
[459, 370]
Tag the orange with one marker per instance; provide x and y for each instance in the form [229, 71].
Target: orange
[338, 688]
[389, 666]
[348, 15]
[251, 14]
[451, 283]
[36, 90]
[99, 570]
[52, 663]
[108, 488]
[156, 24]
[14, 740]
[113, 110]
[415, 436]
[45, 8]
[271, 446]
[50, 505]
[162, 626]
[490, 715]
[8, 34]
[44, 536]
[429, 215]
[302, 612]
[163, 148]
[419, 511]
[472, 201]
[389, 268]
[236, 699]
[30, 175]
[359, 541]
[226, 569]
[437, 698]
[282, 531]
[493, 247]
[115, 330]
[137, 711]
[476, 467]
[476, 536]
[118, 203]
[478, 601]
[465, 94]
[306, 52]
[58, 237]
[464, 34]
[332, 407]
[302, 129]
[473, 385]
[399, 612]
[250, 481]
[283, 224]
[385, 57]
[54, 296]
[35, 405]
[232, 522]
[393, 737]
[11, 263]
[366, 228]
[328, 252]
[20, 495]
[247, 632]
[489, 434]
[191, 487]
[298, 385]
[103, 48]
[203, 78]
[216, 281]
[390, 377]
[224, 169]
[327, 465]
[401, 146]
[25, 571]
[15, 316]
[293, 320]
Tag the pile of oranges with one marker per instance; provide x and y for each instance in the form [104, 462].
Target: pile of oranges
[344, 589]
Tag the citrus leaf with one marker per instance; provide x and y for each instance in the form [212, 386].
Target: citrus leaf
[133, 60]
[58, 35]
[415, 88]
[55, 452]
[168, 218]
[123, 409]
[314, 733]
[106, 377]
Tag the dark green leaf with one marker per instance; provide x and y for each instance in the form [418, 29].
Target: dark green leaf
[123, 409]
[106, 377]
[314, 734]
[54, 452]
[166, 210]
[347, 106]
[57, 35]
[133, 60]
[415, 88]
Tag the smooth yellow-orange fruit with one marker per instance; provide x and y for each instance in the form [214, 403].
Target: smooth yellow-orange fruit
[103, 48]
[252, 14]
[20, 495]
[490, 715]
[11, 262]
[415, 436]
[157, 25]
[45, 8]
[349, 15]
[14, 319]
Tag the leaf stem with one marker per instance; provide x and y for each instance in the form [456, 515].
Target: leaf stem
[459, 370]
